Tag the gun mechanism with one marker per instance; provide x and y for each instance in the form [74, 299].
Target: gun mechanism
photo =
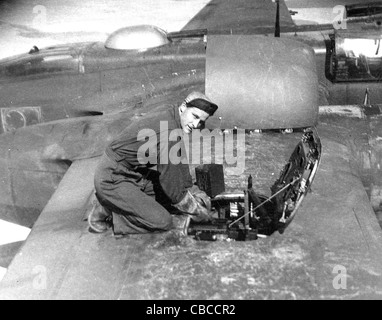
[248, 216]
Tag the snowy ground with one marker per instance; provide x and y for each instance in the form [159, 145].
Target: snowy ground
[44, 22]
[25, 23]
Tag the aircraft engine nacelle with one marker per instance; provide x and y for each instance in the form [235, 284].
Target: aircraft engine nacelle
[261, 83]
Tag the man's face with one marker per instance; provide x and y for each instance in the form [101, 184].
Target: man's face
[192, 118]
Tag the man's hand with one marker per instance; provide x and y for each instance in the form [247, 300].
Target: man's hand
[201, 197]
[196, 203]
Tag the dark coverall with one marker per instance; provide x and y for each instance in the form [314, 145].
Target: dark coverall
[138, 194]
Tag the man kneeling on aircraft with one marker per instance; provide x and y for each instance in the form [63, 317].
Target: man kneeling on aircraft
[136, 197]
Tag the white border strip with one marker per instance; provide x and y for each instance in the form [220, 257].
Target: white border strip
[11, 232]
[3, 271]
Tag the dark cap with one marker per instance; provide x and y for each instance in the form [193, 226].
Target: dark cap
[201, 101]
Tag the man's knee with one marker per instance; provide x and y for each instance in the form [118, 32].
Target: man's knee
[128, 224]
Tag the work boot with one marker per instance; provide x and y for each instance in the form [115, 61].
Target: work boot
[100, 218]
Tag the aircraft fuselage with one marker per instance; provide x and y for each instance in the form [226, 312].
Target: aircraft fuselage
[88, 79]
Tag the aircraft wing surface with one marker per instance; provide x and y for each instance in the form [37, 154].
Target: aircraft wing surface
[332, 249]
[239, 16]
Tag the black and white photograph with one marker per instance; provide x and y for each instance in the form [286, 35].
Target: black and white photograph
[190, 154]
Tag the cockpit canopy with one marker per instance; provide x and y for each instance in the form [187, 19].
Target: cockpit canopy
[137, 38]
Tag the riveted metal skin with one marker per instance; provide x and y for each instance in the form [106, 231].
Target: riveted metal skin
[262, 83]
